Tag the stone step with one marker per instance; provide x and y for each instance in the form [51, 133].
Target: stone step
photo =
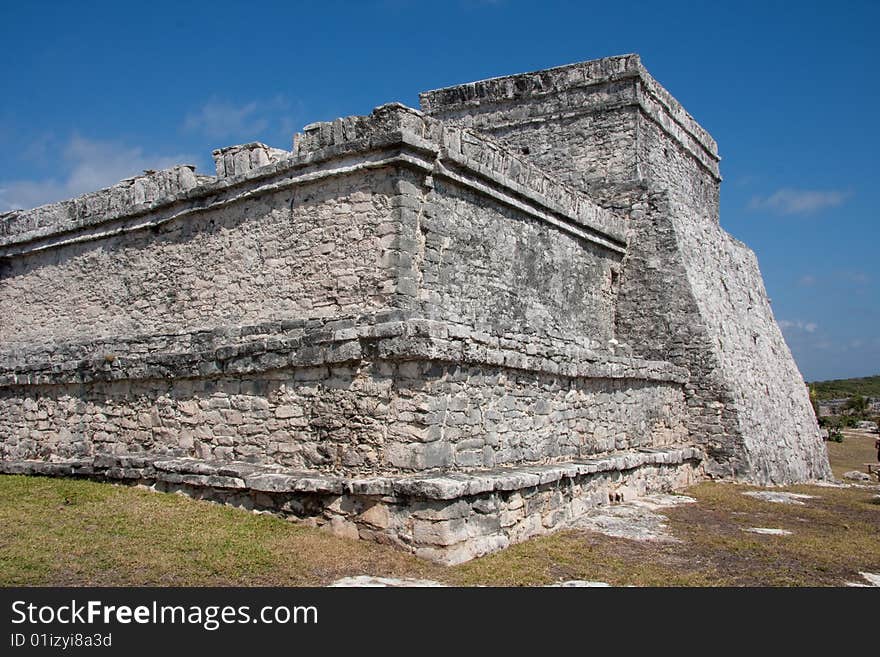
[275, 479]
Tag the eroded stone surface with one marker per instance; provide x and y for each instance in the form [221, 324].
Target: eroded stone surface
[637, 519]
[779, 497]
[769, 531]
[873, 578]
[830, 484]
[582, 584]
[369, 581]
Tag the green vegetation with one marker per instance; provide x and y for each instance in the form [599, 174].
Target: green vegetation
[868, 386]
[852, 454]
[76, 532]
[835, 430]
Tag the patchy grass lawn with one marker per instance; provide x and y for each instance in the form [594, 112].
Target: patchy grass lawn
[76, 532]
[856, 449]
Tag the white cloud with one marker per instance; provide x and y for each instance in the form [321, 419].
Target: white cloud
[221, 119]
[807, 280]
[746, 181]
[797, 325]
[88, 165]
[858, 277]
[799, 201]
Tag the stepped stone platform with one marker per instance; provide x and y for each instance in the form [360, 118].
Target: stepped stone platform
[446, 517]
[448, 329]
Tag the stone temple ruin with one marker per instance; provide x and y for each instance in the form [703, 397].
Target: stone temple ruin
[448, 329]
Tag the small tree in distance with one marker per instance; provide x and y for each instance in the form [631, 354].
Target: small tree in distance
[857, 405]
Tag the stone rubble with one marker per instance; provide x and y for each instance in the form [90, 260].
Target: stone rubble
[370, 581]
[873, 578]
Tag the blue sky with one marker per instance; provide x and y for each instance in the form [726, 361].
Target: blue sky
[94, 92]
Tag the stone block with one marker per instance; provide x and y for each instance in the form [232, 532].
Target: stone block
[439, 532]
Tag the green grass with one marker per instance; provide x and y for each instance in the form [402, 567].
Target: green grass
[856, 449]
[77, 532]
[868, 386]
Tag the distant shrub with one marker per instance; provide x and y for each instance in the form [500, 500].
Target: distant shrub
[857, 405]
[834, 425]
[838, 421]
[868, 386]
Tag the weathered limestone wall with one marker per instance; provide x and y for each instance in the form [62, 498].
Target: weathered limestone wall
[343, 400]
[314, 251]
[402, 329]
[281, 314]
[593, 104]
[688, 291]
[497, 268]
[488, 240]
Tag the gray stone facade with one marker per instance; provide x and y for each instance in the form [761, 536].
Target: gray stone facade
[689, 292]
[449, 330]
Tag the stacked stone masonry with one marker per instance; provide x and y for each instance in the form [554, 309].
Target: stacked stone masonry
[688, 292]
[520, 297]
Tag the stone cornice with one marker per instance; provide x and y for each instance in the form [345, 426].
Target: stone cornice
[397, 137]
[290, 344]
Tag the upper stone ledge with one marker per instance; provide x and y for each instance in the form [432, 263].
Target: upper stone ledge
[441, 150]
[537, 84]
[391, 335]
[136, 192]
[455, 147]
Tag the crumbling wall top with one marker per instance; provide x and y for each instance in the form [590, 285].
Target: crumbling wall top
[392, 135]
[126, 195]
[540, 86]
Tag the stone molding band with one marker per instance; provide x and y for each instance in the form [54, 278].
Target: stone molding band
[397, 148]
[312, 343]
